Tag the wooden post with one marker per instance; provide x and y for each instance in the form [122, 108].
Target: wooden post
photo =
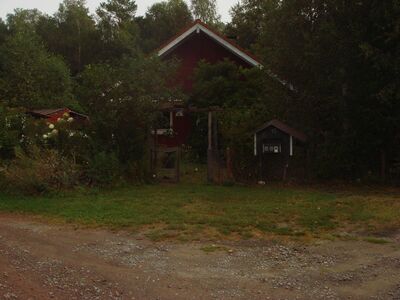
[155, 149]
[286, 167]
[215, 152]
[383, 165]
[306, 163]
[210, 149]
[229, 169]
[178, 164]
[215, 134]
[210, 130]
[285, 171]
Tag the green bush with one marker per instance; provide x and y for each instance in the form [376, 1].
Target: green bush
[103, 169]
[10, 124]
[40, 171]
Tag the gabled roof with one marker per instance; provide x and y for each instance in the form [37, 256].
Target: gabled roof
[198, 26]
[285, 128]
[47, 113]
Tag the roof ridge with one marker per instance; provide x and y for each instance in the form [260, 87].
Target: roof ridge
[242, 52]
[285, 128]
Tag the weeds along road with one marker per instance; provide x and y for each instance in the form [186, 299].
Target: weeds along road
[44, 261]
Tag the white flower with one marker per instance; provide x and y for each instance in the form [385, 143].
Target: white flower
[70, 119]
[71, 134]
[66, 115]
[51, 126]
[55, 131]
[45, 136]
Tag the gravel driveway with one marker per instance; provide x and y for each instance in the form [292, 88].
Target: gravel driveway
[45, 261]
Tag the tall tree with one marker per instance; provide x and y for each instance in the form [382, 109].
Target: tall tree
[29, 75]
[23, 18]
[380, 48]
[339, 88]
[3, 31]
[119, 31]
[206, 10]
[162, 21]
[247, 20]
[76, 35]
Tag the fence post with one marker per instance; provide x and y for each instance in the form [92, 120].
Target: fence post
[229, 169]
[210, 149]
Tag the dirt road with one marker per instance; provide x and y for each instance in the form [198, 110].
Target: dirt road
[44, 261]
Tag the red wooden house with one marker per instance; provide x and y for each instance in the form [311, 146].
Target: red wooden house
[195, 43]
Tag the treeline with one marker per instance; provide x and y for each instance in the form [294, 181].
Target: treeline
[342, 59]
[331, 69]
[43, 56]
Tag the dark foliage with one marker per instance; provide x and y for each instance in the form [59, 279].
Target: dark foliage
[331, 69]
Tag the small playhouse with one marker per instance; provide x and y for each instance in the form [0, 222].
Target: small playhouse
[275, 146]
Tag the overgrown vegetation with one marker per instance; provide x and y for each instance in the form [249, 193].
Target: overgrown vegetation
[248, 97]
[97, 68]
[330, 69]
[41, 171]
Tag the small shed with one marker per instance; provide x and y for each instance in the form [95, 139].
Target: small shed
[274, 145]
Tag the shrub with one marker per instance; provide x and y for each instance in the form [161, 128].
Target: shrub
[10, 124]
[40, 171]
[103, 169]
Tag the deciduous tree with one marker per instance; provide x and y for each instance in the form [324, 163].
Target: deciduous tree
[206, 10]
[118, 28]
[30, 76]
[162, 21]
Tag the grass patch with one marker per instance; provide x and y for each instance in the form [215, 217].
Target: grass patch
[213, 248]
[160, 235]
[376, 240]
[188, 211]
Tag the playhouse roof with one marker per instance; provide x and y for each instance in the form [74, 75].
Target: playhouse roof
[46, 112]
[285, 128]
[54, 112]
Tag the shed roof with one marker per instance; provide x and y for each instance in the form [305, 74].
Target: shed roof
[46, 113]
[285, 128]
[198, 26]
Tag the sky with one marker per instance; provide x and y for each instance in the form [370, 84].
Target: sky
[50, 6]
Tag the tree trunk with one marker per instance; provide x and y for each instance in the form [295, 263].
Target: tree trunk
[79, 46]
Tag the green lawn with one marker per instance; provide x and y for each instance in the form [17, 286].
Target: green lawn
[193, 210]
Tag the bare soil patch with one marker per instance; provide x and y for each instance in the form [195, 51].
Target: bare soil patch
[47, 261]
